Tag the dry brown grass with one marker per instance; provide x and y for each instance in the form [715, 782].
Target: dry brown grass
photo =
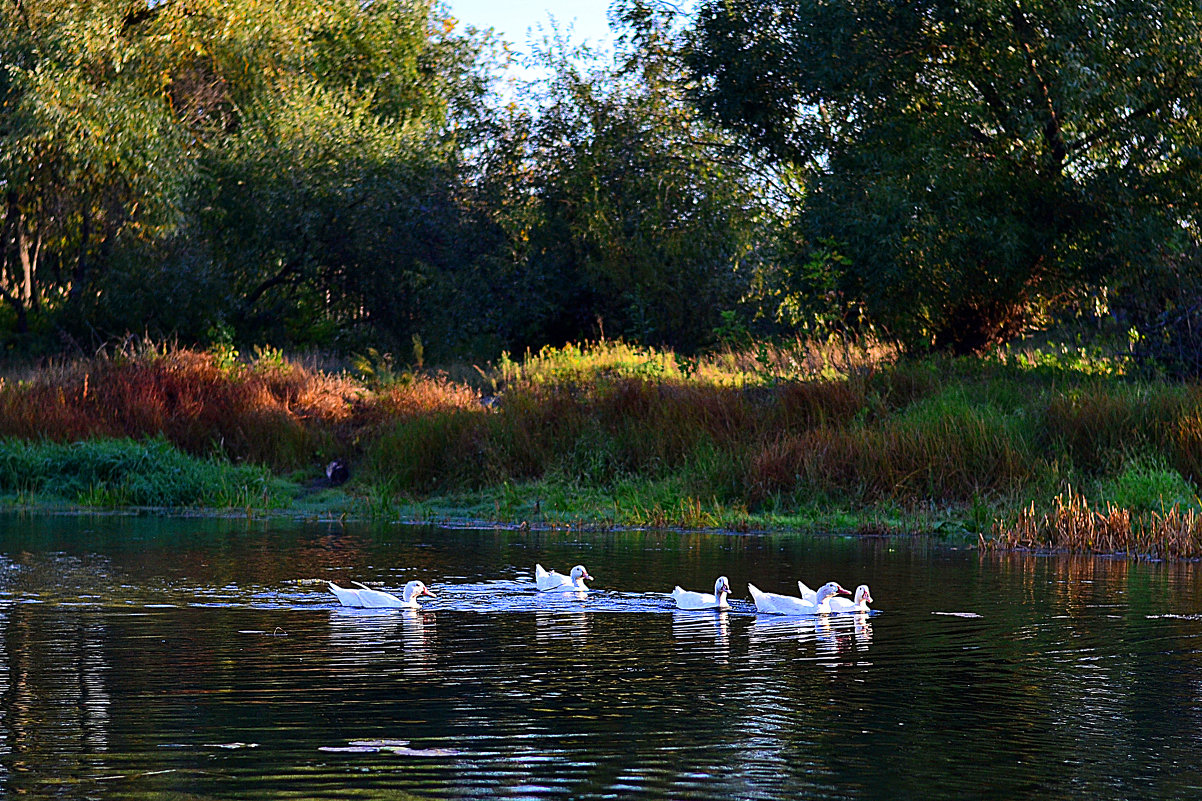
[272, 413]
[1073, 526]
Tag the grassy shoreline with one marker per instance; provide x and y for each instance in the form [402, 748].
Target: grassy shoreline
[154, 477]
[610, 436]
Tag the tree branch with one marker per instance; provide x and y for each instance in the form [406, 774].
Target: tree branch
[276, 280]
[143, 12]
[1146, 110]
[1053, 133]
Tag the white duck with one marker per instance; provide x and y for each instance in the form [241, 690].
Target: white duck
[346, 596]
[368, 598]
[841, 605]
[703, 600]
[557, 582]
[772, 604]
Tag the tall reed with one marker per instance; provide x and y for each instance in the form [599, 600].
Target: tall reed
[1071, 525]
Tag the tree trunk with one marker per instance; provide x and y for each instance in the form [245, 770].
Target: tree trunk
[17, 284]
[28, 253]
[79, 274]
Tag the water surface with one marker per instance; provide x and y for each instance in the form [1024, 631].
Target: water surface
[152, 658]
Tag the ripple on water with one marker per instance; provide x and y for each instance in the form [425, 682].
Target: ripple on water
[160, 676]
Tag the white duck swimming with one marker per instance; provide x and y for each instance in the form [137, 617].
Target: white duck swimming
[703, 600]
[772, 604]
[558, 582]
[841, 605]
[346, 596]
[367, 598]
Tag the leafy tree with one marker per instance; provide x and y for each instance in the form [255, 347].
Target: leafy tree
[627, 214]
[290, 169]
[343, 183]
[88, 154]
[975, 161]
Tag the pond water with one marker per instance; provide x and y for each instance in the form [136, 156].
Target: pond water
[172, 658]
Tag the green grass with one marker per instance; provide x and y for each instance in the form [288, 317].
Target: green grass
[122, 472]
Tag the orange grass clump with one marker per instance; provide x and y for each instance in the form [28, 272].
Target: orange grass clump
[272, 413]
[1073, 526]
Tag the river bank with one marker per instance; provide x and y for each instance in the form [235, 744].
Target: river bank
[836, 439]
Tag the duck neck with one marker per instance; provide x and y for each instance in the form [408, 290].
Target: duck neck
[822, 601]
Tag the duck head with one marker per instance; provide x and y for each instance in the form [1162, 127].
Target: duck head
[580, 574]
[721, 587]
[828, 589]
[414, 589]
[863, 595]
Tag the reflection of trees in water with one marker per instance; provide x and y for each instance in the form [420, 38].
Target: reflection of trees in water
[1097, 644]
[55, 703]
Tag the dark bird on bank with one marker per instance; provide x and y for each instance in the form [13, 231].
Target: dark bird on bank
[337, 472]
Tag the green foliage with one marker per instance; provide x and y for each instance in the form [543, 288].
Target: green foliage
[1147, 486]
[376, 369]
[90, 158]
[974, 162]
[626, 214]
[1162, 306]
[287, 169]
[336, 175]
[731, 330]
[803, 293]
[124, 472]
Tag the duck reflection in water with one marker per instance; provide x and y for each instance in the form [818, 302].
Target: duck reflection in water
[556, 622]
[704, 633]
[834, 639]
[382, 640]
[835, 636]
[863, 628]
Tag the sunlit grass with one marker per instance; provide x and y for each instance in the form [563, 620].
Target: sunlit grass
[1174, 531]
[756, 363]
[787, 435]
